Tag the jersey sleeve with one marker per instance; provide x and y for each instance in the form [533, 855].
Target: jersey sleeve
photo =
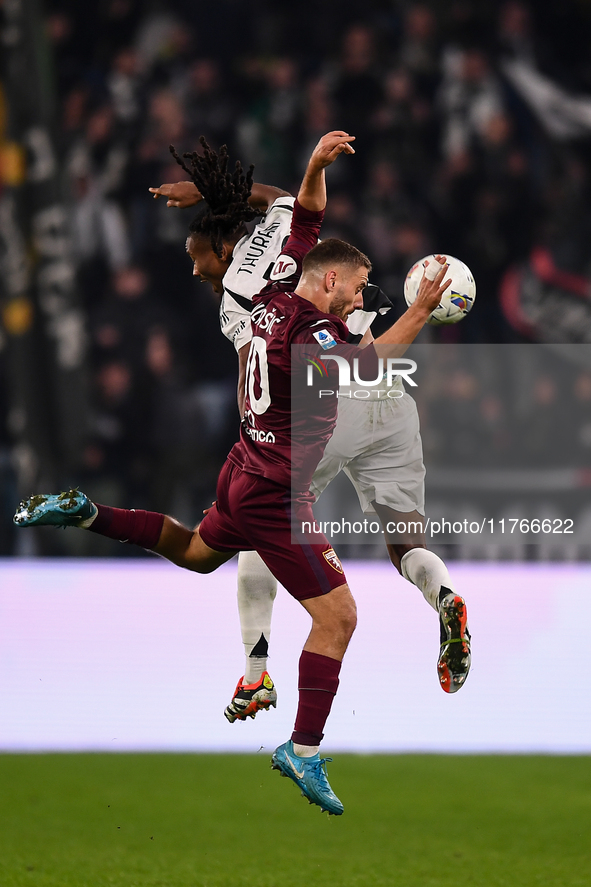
[375, 301]
[235, 322]
[286, 202]
[305, 228]
[326, 333]
[328, 338]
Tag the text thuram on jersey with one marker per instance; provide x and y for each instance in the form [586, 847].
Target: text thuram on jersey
[256, 247]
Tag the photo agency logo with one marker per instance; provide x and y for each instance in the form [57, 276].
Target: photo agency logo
[390, 374]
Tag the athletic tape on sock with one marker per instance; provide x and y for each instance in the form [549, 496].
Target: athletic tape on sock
[318, 683]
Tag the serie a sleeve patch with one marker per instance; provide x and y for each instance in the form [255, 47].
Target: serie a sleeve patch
[324, 339]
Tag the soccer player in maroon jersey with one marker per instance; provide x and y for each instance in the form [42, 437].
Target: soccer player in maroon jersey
[267, 474]
[381, 454]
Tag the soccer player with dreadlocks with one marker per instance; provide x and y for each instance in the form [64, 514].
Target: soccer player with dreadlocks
[266, 477]
[237, 262]
[384, 461]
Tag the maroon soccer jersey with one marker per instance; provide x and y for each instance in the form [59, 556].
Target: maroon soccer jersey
[283, 435]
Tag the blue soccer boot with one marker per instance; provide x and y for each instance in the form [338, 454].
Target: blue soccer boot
[309, 774]
[68, 509]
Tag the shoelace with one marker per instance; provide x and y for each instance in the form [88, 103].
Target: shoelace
[319, 770]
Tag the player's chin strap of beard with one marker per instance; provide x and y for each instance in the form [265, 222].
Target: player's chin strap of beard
[433, 269]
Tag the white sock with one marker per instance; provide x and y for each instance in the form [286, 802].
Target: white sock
[428, 572]
[305, 751]
[257, 588]
[254, 669]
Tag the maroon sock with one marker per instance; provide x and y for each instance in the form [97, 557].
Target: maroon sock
[138, 527]
[318, 683]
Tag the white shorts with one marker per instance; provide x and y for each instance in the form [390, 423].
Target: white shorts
[378, 446]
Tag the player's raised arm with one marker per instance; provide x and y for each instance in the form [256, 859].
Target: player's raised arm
[179, 194]
[184, 194]
[308, 210]
[312, 193]
[406, 329]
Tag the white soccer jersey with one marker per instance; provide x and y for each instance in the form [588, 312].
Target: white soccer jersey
[252, 262]
[249, 272]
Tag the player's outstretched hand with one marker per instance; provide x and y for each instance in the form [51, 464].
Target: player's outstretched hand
[432, 286]
[179, 194]
[329, 147]
[312, 193]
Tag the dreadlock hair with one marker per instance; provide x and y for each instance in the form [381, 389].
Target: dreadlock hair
[225, 195]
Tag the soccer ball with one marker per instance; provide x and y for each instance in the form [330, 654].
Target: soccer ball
[457, 299]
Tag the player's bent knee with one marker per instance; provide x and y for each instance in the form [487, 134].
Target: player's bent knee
[200, 558]
[343, 626]
[348, 618]
[397, 552]
[336, 611]
[203, 569]
[350, 622]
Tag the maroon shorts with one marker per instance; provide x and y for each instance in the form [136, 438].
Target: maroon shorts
[252, 512]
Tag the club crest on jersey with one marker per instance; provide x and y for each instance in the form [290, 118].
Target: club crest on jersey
[284, 267]
[330, 556]
[324, 339]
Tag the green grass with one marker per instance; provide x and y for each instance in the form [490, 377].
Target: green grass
[228, 821]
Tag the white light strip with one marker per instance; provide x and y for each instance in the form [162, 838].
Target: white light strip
[111, 655]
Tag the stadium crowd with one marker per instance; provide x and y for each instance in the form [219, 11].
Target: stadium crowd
[450, 157]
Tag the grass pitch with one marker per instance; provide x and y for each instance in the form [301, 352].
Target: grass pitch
[228, 821]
